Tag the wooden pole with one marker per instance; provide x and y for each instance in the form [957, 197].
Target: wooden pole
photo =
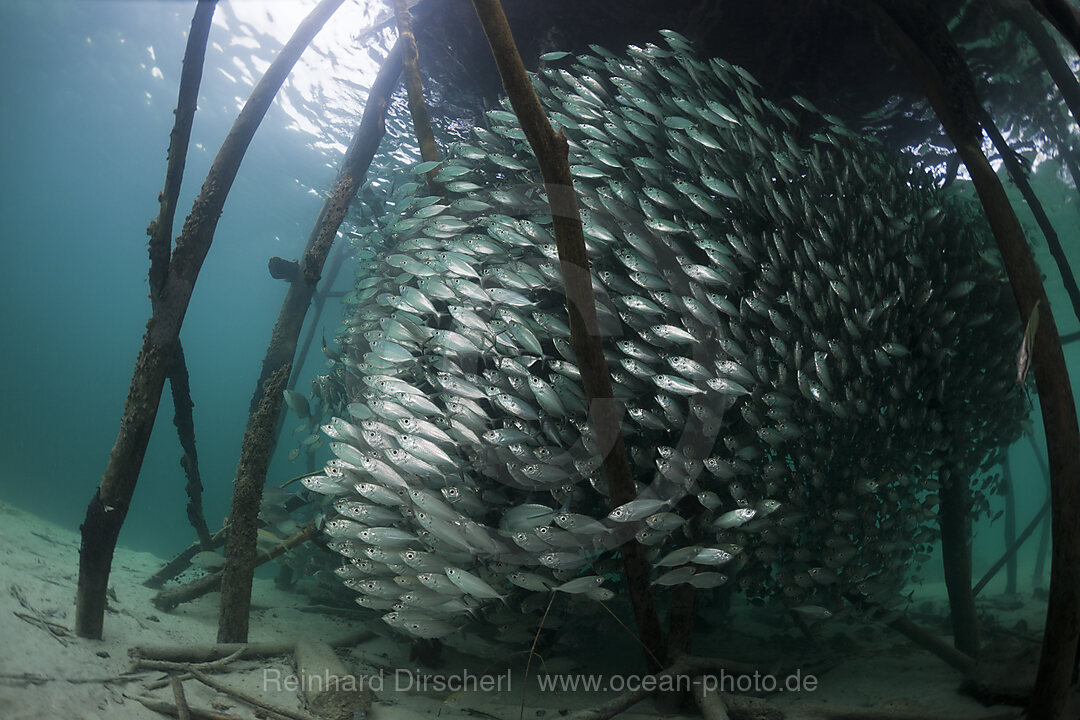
[552, 154]
[1010, 531]
[107, 509]
[1019, 177]
[954, 516]
[1038, 571]
[1010, 551]
[425, 136]
[923, 40]
[1063, 16]
[240, 546]
[1046, 46]
[160, 232]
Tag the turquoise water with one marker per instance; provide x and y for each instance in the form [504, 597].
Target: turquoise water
[85, 135]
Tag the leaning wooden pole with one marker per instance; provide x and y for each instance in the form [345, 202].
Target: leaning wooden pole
[1009, 557]
[1049, 52]
[240, 546]
[1020, 180]
[109, 505]
[414, 86]
[923, 40]
[552, 154]
[160, 232]
[1063, 16]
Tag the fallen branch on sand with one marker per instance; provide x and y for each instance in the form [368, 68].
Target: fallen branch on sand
[244, 697]
[166, 600]
[167, 708]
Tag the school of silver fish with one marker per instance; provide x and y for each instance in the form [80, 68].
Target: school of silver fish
[806, 335]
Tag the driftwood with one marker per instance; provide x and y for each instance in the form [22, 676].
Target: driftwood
[221, 651]
[240, 547]
[108, 507]
[926, 639]
[552, 155]
[923, 40]
[183, 712]
[166, 708]
[832, 712]
[171, 667]
[166, 600]
[711, 704]
[182, 560]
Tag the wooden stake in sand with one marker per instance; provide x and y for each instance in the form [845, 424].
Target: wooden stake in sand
[552, 154]
[240, 546]
[107, 509]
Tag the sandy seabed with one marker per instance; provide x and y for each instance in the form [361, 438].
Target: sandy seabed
[47, 672]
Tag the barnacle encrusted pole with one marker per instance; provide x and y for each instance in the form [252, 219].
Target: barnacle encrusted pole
[160, 232]
[923, 40]
[429, 150]
[107, 509]
[240, 546]
[552, 155]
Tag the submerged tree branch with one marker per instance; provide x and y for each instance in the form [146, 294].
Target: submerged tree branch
[168, 599]
[552, 154]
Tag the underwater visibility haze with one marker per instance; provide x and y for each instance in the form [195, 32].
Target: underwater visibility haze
[826, 432]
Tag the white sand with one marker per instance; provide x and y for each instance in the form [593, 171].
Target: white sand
[39, 563]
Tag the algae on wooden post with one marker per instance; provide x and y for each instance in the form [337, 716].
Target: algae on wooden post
[266, 403]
